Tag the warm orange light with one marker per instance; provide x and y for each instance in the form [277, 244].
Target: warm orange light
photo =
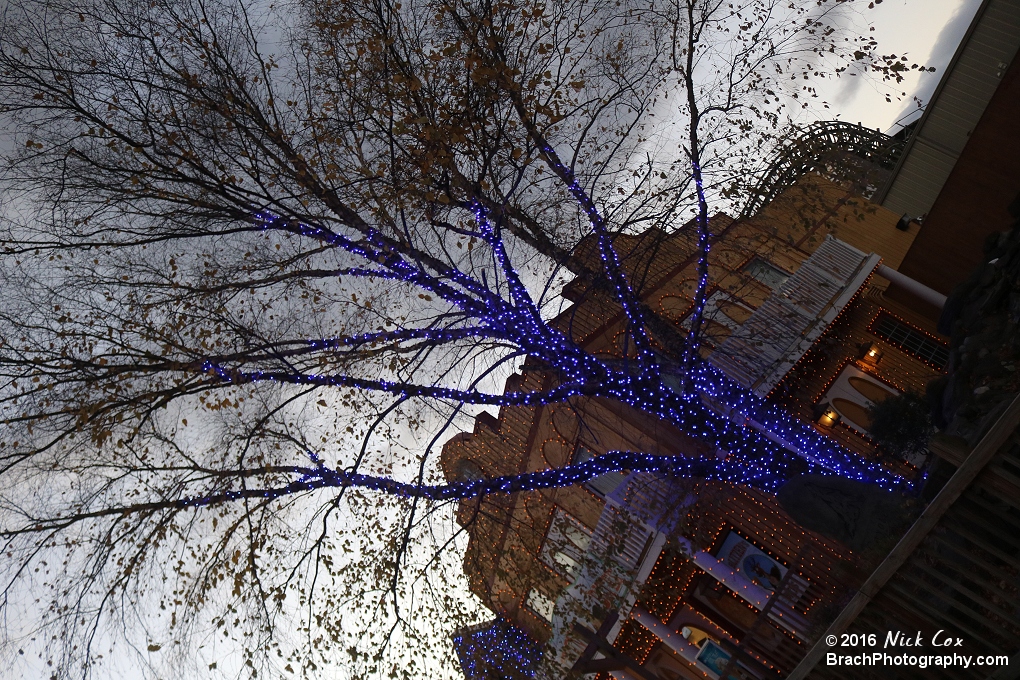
[829, 417]
[872, 354]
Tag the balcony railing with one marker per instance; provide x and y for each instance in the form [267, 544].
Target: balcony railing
[638, 518]
[625, 545]
[784, 327]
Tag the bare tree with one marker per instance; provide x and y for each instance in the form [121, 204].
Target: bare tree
[259, 260]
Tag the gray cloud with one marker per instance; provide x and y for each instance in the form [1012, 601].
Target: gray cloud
[941, 52]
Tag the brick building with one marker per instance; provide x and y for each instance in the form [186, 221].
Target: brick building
[670, 554]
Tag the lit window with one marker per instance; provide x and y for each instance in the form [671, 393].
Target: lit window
[910, 340]
[766, 272]
[541, 604]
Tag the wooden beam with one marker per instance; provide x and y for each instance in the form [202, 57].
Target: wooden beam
[998, 434]
[762, 619]
[596, 640]
[953, 450]
[611, 652]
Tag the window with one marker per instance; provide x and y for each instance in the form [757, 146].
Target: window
[851, 393]
[723, 309]
[468, 471]
[910, 340]
[565, 544]
[751, 562]
[540, 604]
[603, 484]
[766, 272]
[855, 414]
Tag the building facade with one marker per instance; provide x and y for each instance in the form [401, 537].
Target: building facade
[796, 311]
[956, 571]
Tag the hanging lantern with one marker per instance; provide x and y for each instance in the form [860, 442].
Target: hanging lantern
[829, 416]
[871, 355]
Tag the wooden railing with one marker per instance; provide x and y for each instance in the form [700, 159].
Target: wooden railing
[957, 569]
[784, 327]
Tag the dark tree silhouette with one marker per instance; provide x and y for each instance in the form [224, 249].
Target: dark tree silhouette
[902, 424]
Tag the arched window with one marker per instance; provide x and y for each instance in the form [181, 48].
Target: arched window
[871, 391]
[468, 471]
[853, 412]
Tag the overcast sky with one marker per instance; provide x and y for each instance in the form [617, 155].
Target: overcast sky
[927, 32]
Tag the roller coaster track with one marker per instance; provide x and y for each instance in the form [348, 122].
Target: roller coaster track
[817, 145]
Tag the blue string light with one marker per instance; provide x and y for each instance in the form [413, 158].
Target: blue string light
[500, 647]
[703, 248]
[762, 445]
